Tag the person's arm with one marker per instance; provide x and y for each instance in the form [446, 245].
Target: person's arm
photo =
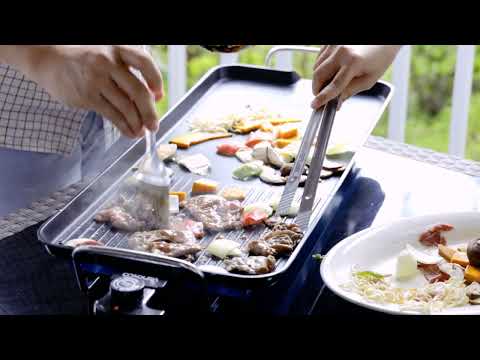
[343, 70]
[95, 78]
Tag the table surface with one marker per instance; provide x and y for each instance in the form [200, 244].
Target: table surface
[388, 186]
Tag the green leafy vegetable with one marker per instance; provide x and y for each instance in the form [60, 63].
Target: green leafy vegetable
[318, 257]
[369, 275]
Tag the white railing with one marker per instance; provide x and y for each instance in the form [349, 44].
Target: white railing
[398, 110]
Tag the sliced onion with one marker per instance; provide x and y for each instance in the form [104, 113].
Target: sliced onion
[222, 248]
[423, 257]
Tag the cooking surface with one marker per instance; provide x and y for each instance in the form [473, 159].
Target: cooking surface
[44, 284]
[227, 96]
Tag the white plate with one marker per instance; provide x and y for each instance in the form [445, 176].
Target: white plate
[376, 249]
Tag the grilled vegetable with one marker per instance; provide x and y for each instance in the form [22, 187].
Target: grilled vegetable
[258, 137]
[460, 259]
[254, 217]
[187, 140]
[182, 196]
[228, 149]
[247, 126]
[248, 170]
[166, 151]
[260, 151]
[473, 252]
[446, 252]
[258, 206]
[223, 248]
[337, 149]
[244, 155]
[281, 121]
[274, 158]
[173, 203]
[472, 274]
[197, 164]
[233, 193]
[287, 132]
[204, 186]
[281, 143]
[271, 176]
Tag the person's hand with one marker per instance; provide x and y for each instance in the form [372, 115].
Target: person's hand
[98, 78]
[343, 70]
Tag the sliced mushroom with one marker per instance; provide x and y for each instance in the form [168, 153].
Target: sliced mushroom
[332, 165]
[286, 169]
[260, 151]
[274, 158]
[325, 174]
[473, 291]
[272, 176]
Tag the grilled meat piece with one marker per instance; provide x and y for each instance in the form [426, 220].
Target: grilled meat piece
[433, 236]
[182, 223]
[174, 249]
[216, 213]
[280, 241]
[251, 265]
[147, 237]
[120, 219]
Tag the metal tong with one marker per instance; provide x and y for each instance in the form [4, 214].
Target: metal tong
[321, 122]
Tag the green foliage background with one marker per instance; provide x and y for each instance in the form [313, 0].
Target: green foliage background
[430, 90]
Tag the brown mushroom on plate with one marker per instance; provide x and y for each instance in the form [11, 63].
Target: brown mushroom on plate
[473, 252]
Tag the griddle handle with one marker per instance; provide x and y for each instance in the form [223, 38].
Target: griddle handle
[95, 260]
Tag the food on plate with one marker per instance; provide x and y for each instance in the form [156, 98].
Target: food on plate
[452, 270]
[254, 217]
[120, 219]
[472, 274]
[446, 252]
[434, 236]
[406, 265]
[166, 151]
[421, 256]
[82, 242]
[433, 273]
[287, 131]
[248, 170]
[473, 252]
[177, 250]
[244, 155]
[204, 186]
[216, 213]
[282, 240]
[292, 212]
[222, 248]
[187, 140]
[289, 152]
[274, 158]
[250, 265]
[473, 293]
[182, 223]
[197, 164]
[260, 151]
[460, 258]
[229, 149]
[272, 176]
[182, 195]
[233, 193]
[438, 296]
[173, 204]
